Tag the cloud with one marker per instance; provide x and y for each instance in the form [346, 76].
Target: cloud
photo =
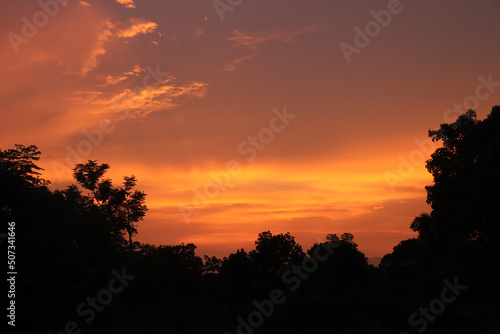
[76, 39]
[152, 99]
[85, 58]
[141, 100]
[254, 40]
[91, 61]
[104, 32]
[137, 27]
[77, 58]
[232, 65]
[114, 79]
[89, 95]
[136, 70]
[127, 3]
[198, 32]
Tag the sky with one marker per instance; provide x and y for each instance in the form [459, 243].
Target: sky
[238, 117]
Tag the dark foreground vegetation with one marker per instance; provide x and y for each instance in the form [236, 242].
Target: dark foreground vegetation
[79, 270]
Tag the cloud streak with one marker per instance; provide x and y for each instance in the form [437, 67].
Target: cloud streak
[198, 32]
[231, 67]
[79, 51]
[137, 27]
[114, 79]
[106, 31]
[126, 3]
[139, 102]
[242, 38]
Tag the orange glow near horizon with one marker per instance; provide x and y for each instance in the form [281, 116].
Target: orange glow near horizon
[263, 198]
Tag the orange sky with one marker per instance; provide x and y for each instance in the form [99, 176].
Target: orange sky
[169, 92]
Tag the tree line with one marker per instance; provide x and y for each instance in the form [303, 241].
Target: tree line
[75, 245]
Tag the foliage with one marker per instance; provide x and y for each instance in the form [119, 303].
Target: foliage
[124, 206]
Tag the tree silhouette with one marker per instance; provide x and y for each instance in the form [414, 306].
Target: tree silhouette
[273, 253]
[461, 235]
[20, 163]
[345, 239]
[125, 206]
[212, 264]
[466, 175]
[19, 176]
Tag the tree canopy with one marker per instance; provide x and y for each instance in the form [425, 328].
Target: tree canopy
[466, 181]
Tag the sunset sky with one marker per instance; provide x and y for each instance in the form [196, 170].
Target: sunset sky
[239, 117]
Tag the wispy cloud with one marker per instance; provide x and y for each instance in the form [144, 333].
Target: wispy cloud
[91, 61]
[80, 47]
[232, 65]
[198, 32]
[137, 27]
[139, 103]
[254, 40]
[242, 38]
[86, 62]
[114, 79]
[82, 58]
[87, 95]
[127, 3]
[152, 99]
[136, 70]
